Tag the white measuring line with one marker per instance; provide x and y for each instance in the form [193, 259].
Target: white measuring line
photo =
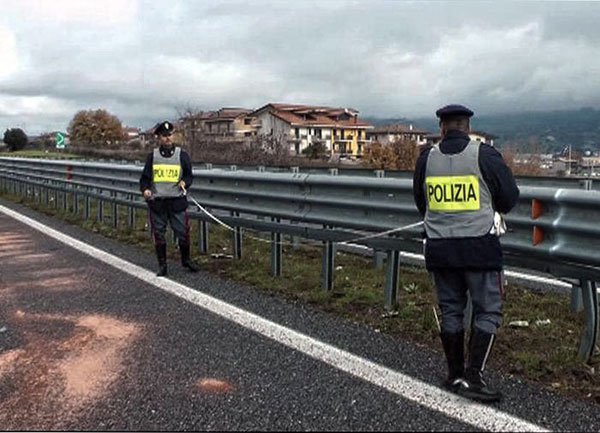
[364, 237]
[480, 416]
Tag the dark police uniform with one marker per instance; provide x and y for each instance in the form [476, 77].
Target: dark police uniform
[165, 168]
[458, 186]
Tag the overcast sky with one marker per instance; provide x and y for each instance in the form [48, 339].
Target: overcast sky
[143, 60]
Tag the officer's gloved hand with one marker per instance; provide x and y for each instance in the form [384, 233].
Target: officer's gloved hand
[499, 227]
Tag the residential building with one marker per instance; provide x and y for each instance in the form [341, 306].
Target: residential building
[228, 123]
[338, 129]
[432, 139]
[390, 133]
[483, 136]
[131, 132]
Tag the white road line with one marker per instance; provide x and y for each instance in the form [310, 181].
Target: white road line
[480, 416]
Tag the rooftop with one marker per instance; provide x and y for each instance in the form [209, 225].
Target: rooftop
[312, 115]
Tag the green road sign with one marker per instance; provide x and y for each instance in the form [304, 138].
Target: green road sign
[60, 141]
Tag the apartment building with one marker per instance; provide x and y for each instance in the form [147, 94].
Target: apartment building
[338, 129]
[224, 124]
[390, 133]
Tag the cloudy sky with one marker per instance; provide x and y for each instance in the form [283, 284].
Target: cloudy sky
[147, 60]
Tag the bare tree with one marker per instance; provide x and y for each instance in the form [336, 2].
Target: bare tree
[524, 160]
[400, 154]
[191, 131]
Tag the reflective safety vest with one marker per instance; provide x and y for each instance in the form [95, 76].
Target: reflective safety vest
[459, 203]
[166, 174]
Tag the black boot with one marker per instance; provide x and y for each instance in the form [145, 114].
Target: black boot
[480, 346]
[161, 255]
[186, 262]
[454, 348]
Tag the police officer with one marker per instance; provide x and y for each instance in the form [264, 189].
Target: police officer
[458, 186]
[166, 176]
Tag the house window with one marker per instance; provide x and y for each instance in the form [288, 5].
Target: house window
[297, 131]
[341, 134]
[247, 121]
[318, 132]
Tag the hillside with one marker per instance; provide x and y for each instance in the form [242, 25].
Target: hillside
[552, 129]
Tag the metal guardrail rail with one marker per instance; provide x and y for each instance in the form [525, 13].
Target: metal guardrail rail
[552, 230]
[553, 182]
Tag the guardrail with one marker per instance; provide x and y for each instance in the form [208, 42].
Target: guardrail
[550, 230]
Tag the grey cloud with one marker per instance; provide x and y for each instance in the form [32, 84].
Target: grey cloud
[382, 58]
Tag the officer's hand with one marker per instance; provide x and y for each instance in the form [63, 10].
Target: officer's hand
[182, 185]
[147, 194]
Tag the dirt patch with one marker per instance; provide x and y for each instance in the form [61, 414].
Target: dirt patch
[8, 361]
[59, 374]
[51, 284]
[96, 362]
[210, 385]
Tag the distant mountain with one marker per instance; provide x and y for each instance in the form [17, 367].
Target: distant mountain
[553, 130]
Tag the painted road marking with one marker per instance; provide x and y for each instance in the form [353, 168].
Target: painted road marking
[480, 416]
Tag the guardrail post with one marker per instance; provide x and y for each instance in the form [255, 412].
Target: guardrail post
[590, 309]
[237, 239]
[576, 299]
[88, 204]
[328, 263]
[75, 201]
[55, 198]
[378, 258]
[276, 250]
[203, 236]
[130, 214]
[115, 213]
[392, 279]
[47, 196]
[379, 173]
[65, 206]
[100, 208]
[208, 166]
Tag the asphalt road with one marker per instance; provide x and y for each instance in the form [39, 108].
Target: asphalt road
[90, 339]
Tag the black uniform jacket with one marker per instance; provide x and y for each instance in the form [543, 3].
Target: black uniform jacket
[478, 253]
[176, 204]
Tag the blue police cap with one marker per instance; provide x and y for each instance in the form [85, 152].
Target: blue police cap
[164, 128]
[453, 110]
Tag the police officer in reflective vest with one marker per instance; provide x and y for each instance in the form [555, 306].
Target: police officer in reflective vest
[458, 185]
[166, 176]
